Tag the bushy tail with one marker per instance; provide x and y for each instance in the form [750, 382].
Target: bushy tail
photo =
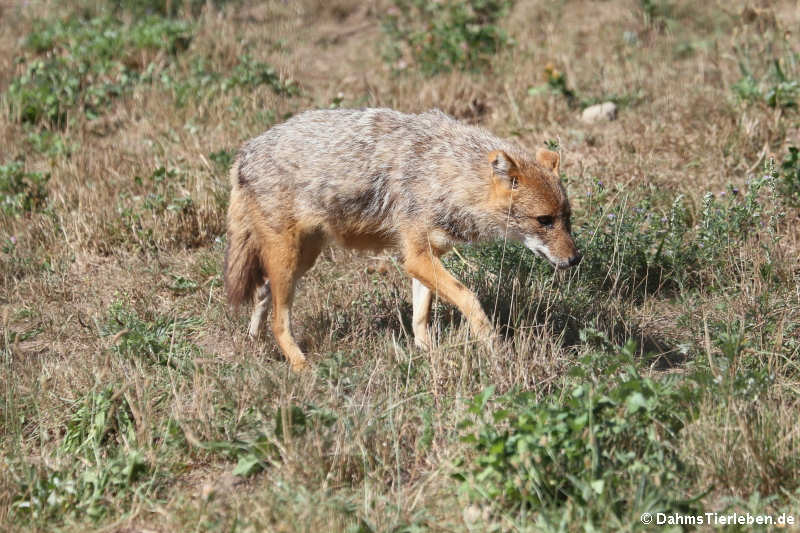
[244, 273]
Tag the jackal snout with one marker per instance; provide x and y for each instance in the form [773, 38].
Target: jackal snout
[562, 254]
[560, 247]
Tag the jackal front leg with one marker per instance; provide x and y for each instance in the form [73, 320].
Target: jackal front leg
[427, 268]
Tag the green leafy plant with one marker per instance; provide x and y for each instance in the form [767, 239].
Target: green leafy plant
[22, 192]
[50, 143]
[656, 11]
[789, 176]
[181, 284]
[165, 199]
[222, 158]
[605, 441]
[204, 82]
[556, 82]
[448, 35]
[777, 89]
[254, 448]
[634, 248]
[251, 73]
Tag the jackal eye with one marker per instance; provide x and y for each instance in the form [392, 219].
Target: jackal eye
[545, 220]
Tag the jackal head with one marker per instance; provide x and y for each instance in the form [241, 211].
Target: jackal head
[535, 205]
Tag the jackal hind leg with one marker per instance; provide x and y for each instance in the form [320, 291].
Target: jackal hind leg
[286, 263]
[421, 299]
[428, 269]
[262, 300]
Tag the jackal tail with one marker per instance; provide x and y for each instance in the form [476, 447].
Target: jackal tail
[244, 272]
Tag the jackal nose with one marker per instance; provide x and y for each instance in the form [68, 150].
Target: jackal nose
[575, 259]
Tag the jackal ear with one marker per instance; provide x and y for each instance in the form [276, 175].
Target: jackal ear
[548, 159]
[504, 168]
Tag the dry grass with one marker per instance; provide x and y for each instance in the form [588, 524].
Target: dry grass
[377, 436]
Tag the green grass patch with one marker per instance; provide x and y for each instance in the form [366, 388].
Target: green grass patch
[82, 65]
[223, 159]
[101, 467]
[203, 81]
[165, 8]
[50, 143]
[444, 36]
[556, 83]
[158, 340]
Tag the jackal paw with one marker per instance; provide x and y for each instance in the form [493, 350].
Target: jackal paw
[492, 341]
[423, 341]
[495, 344]
[299, 365]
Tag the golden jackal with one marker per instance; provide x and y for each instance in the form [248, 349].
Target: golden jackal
[375, 179]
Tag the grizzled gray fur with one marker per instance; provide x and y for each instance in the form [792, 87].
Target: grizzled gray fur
[378, 169]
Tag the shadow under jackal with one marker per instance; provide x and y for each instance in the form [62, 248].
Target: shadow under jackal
[376, 179]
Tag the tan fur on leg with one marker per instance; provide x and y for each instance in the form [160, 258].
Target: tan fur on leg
[287, 257]
[428, 269]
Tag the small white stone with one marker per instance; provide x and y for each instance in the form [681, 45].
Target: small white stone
[595, 113]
